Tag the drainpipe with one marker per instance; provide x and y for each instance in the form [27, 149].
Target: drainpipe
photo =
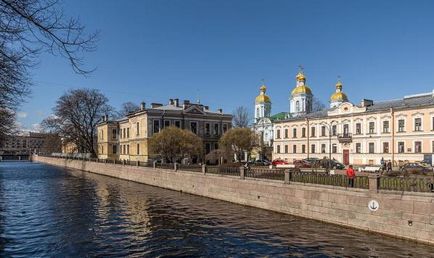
[308, 133]
[392, 113]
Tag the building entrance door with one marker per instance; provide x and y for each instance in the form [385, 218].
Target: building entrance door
[346, 157]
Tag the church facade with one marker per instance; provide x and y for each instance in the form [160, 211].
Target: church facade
[398, 130]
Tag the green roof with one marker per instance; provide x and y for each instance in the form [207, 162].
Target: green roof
[279, 116]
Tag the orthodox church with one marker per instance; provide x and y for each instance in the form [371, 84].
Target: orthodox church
[300, 105]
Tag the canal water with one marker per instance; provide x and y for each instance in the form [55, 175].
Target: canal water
[51, 212]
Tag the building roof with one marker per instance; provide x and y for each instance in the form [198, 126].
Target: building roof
[412, 101]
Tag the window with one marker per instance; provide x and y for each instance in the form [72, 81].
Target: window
[312, 148]
[371, 147]
[323, 130]
[128, 132]
[278, 134]
[401, 125]
[166, 123]
[334, 148]
[371, 127]
[358, 147]
[401, 148]
[207, 148]
[323, 148]
[114, 149]
[334, 130]
[418, 124]
[178, 124]
[138, 149]
[346, 129]
[432, 126]
[294, 148]
[114, 133]
[156, 127]
[137, 128]
[294, 133]
[358, 128]
[124, 133]
[278, 148]
[385, 147]
[286, 133]
[418, 147]
[225, 128]
[207, 129]
[286, 148]
[193, 127]
[432, 147]
[297, 106]
[312, 131]
[128, 149]
[124, 149]
[102, 149]
[303, 148]
[216, 129]
[303, 132]
[385, 126]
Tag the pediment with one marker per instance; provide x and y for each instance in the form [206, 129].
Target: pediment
[346, 108]
[194, 110]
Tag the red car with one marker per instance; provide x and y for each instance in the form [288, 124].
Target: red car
[279, 162]
[302, 164]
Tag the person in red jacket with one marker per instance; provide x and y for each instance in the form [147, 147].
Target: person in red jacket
[351, 175]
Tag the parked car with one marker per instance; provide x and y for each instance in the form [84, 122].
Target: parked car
[261, 162]
[279, 162]
[415, 168]
[302, 164]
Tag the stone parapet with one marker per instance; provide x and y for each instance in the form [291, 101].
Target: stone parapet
[400, 214]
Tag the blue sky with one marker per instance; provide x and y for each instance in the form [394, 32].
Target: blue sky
[218, 51]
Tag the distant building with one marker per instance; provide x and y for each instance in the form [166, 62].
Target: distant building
[397, 130]
[39, 143]
[127, 138]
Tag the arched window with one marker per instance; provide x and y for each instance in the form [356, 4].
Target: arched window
[303, 105]
[297, 106]
[257, 112]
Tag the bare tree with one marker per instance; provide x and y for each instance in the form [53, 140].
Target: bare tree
[76, 116]
[27, 28]
[317, 105]
[127, 108]
[241, 117]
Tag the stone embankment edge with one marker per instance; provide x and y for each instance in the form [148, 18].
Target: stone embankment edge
[401, 214]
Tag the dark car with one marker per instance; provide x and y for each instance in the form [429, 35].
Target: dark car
[415, 168]
[261, 162]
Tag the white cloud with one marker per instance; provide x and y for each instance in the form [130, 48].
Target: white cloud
[21, 114]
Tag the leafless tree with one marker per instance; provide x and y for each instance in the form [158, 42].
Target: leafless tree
[27, 28]
[76, 116]
[317, 105]
[241, 117]
[127, 108]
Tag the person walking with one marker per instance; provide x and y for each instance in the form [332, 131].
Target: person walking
[383, 165]
[351, 175]
[389, 166]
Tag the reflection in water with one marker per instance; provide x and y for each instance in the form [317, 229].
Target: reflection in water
[47, 211]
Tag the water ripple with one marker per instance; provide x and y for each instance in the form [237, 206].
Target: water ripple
[50, 212]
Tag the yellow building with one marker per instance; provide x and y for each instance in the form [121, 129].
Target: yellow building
[127, 138]
[397, 130]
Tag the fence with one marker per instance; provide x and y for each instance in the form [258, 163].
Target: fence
[407, 184]
[412, 184]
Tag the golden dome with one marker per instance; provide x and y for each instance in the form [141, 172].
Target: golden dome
[262, 97]
[339, 97]
[304, 89]
[300, 76]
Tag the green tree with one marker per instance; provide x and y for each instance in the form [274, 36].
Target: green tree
[173, 143]
[239, 141]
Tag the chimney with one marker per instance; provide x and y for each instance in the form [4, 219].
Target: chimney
[103, 118]
[366, 102]
[220, 110]
[155, 105]
[142, 106]
[176, 103]
[171, 102]
[206, 108]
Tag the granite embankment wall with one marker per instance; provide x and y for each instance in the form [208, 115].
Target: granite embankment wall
[400, 214]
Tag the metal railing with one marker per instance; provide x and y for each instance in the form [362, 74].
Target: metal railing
[266, 173]
[408, 184]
